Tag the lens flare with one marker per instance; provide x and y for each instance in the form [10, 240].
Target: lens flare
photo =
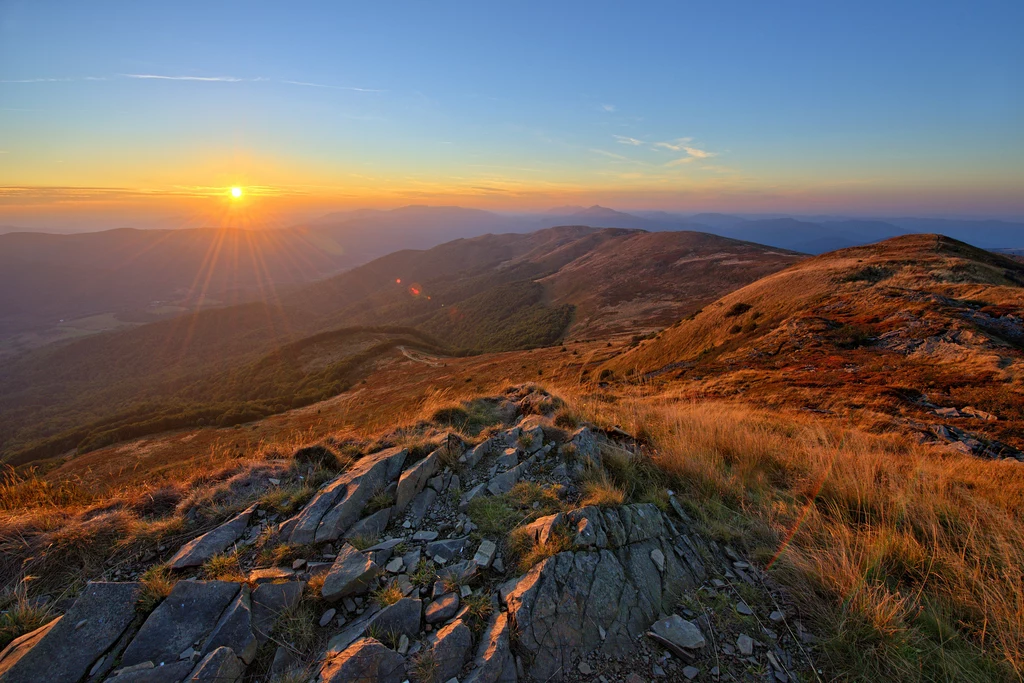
[236, 192]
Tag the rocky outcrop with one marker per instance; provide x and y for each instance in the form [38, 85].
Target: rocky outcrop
[351, 574]
[602, 593]
[365, 660]
[197, 551]
[67, 648]
[184, 618]
[494, 662]
[340, 503]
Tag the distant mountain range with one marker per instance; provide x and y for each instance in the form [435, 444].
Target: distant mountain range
[46, 278]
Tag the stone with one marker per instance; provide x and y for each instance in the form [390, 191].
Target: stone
[270, 575]
[197, 551]
[585, 669]
[442, 609]
[451, 646]
[540, 530]
[743, 609]
[351, 574]
[381, 553]
[658, 671]
[680, 632]
[447, 549]
[493, 655]
[298, 564]
[411, 559]
[364, 660]
[189, 613]
[485, 553]
[171, 672]
[503, 483]
[402, 617]
[235, 630]
[658, 558]
[425, 535]
[60, 651]
[585, 446]
[691, 672]
[474, 455]
[420, 504]
[467, 498]
[269, 600]
[460, 572]
[403, 645]
[395, 566]
[371, 527]
[565, 602]
[510, 458]
[777, 616]
[220, 666]
[327, 616]
[340, 502]
[745, 644]
[415, 478]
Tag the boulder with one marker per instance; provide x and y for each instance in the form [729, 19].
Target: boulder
[598, 597]
[351, 573]
[235, 629]
[269, 600]
[503, 483]
[442, 609]
[420, 504]
[468, 496]
[451, 646]
[66, 648]
[447, 549]
[415, 478]
[494, 661]
[189, 613]
[364, 660]
[484, 556]
[196, 552]
[370, 527]
[340, 503]
[679, 632]
[585, 446]
[474, 455]
[220, 666]
[402, 617]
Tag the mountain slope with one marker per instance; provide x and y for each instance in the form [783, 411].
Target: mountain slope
[920, 322]
[489, 293]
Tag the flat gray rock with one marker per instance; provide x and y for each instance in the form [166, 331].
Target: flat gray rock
[451, 646]
[403, 616]
[364, 660]
[172, 672]
[415, 478]
[220, 666]
[493, 655]
[189, 613]
[442, 609]
[68, 647]
[351, 573]
[680, 632]
[420, 504]
[235, 630]
[197, 551]
[269, 600]
[370, 527]
[340, 502]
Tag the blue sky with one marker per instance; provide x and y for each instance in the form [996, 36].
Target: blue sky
[863, 107]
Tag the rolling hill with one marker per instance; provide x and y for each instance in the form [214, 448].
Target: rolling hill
[899, 330]
[488, 293]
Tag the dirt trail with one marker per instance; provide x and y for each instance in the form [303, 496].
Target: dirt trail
[421, 357]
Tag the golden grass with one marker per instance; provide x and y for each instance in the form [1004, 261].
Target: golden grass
[907, 559]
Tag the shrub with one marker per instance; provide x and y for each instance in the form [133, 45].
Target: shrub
[738, 308]
[318, 456]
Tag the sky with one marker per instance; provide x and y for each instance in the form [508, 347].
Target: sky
[148, 113]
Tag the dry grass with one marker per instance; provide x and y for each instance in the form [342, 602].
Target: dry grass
[600, 490]
[157, 583]
[387, 595]
[907, 559]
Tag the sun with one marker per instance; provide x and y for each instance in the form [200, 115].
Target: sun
[236, 192]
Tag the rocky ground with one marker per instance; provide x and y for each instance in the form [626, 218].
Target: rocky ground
[484, 561]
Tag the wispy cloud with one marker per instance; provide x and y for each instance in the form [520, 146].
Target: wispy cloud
[675, 146]
[680, 161]
[607, 107]
[626, 140]
[205, 79]
[699, 153]
[307, 84]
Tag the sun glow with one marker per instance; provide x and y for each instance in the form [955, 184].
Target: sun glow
[236, 192]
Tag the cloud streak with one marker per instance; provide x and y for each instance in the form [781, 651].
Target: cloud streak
[204, 79]
[626, 140]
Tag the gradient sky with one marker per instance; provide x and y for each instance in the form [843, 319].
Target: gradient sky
[857, 107]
